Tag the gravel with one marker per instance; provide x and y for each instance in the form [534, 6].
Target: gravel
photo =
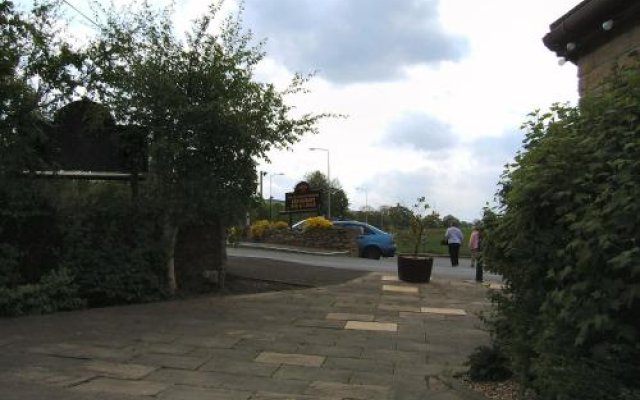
[505, 390]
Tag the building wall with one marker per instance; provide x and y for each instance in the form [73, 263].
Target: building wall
[598, 64]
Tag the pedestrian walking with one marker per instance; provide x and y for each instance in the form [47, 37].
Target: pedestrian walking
[454, 237]
[480, 260]
[474, 244]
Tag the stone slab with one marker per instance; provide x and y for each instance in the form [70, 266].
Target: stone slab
[119, 370]
[320, 323]
[359, 364]
[82, 351]
[372, 326]
[224, 342]
[399, 289]
[389, 278]
[123, 387]
[350, 316]
[285, 396]
[305, 360]
[170, 361]
[399, 308]
[443, 311]
[47, 376]
[164, 348]
[327, 350]
[341, 390]
[239, 367]
[311, 374]
[196, 393]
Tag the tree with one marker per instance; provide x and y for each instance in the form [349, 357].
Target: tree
[400, 217]
[339, 199]
[208, 119]
[449, 219]
[36, 75]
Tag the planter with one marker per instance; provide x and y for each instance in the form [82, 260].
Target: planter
[414, 269]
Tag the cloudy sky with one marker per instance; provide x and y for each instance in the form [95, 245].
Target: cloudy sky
[434, 90]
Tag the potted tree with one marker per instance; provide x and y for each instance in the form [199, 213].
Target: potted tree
[416, 267]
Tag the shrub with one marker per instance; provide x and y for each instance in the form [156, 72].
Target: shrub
[55, 292]
[280, 225]
[234, 234]
[258, 228]
[317, 223]
[567, 243]
[112, 247]
[488, 364]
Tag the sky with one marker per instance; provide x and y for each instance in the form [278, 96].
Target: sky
[434, 91]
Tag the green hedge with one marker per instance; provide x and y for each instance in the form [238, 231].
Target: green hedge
[56, 291]
[567, 242]
[90, 237]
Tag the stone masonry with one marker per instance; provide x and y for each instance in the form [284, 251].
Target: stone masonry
[595, 66]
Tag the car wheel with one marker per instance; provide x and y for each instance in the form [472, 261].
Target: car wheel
[372, 253]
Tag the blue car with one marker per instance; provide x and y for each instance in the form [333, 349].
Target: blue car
[372, 242]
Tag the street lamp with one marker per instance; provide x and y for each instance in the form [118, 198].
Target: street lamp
[328, 179]
[270, 196]
[366, 204]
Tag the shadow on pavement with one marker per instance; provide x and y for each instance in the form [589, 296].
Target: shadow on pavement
[287, 272]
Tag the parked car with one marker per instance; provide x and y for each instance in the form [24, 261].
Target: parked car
[372, 242]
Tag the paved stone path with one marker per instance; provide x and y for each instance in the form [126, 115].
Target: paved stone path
[371, 338]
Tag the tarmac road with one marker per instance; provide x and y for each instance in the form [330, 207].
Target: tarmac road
[442, 267]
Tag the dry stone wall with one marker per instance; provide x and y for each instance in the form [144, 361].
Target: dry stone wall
[330, 239]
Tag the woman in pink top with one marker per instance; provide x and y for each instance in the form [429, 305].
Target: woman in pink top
[474, 245]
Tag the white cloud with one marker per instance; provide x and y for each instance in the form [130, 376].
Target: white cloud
[355, 40]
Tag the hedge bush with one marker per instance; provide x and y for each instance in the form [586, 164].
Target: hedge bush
[56, 291]
[89, 237]
[112, 246]
[567, 243]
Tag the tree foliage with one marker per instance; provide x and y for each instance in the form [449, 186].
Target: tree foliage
[339, 200]
[209, 120]
[36, 75]
[567, 242]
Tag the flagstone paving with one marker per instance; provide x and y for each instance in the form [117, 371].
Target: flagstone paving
[364, 339]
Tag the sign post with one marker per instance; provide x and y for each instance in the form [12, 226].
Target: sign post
[302, 200]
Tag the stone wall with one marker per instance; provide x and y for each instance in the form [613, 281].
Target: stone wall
[199, 251]
[330, 239]
[595, 66]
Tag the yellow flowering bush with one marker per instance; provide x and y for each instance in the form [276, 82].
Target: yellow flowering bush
[280, 225]
[258, 228]
[317, 223]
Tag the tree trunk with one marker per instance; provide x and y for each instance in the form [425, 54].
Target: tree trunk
[169, 236]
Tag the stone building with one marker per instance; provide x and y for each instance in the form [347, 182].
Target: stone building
[597, 36]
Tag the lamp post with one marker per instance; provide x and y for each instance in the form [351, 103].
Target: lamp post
[328, 179]
[270, 196]
[262, 174]
[366, 204]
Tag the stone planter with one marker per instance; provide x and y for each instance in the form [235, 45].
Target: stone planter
[414, 268]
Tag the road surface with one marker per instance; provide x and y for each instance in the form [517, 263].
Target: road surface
[442, 267]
